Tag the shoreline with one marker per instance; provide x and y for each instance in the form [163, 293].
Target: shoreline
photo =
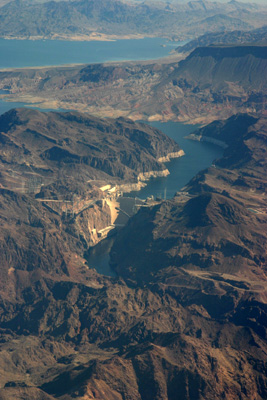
[39, 67]
[56, 106]
[203, 138]
[169, 59]
[93, 37]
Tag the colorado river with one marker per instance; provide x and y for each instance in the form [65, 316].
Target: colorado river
[98, 257]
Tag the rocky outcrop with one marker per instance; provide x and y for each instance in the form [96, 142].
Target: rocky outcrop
[145, 176]
[55, 143]
[226, 132]
[169, 156]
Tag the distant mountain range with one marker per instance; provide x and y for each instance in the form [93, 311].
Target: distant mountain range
[226, 37]
[91, 18]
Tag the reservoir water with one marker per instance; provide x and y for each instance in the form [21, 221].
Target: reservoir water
[33, 53]
[198, 156]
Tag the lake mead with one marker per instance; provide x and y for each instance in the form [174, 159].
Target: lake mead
[34, 53]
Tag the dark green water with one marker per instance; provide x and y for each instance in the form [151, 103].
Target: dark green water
[98, 257]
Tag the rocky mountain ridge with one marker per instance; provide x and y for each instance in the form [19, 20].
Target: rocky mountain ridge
[186, 315]
[255, 36]
[89, 19]
[52, 141]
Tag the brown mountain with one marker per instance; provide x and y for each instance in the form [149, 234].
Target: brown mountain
[224, 65]
[245, 157]
[210, 232]
[186, 317]
[47, 143]
[52, 167]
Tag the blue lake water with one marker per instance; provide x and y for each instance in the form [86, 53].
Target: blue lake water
[33, 53]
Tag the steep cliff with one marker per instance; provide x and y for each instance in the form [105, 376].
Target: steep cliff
[218, 65]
